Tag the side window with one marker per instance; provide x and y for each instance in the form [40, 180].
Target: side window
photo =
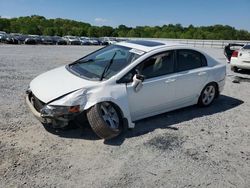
[158, 65]
[189, 59]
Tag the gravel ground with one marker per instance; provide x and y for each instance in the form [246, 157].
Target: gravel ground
[190, 147]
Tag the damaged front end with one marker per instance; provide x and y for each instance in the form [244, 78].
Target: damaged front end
[60, 111]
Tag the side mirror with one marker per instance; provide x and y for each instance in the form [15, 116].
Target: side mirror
[137, 82]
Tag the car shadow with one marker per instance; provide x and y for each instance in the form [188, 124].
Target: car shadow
[163, 121]
[244, 72]
[74, 130]
[170, 119]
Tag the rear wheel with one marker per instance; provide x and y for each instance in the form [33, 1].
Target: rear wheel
[234, 69]
[105, 120]
[208, 95]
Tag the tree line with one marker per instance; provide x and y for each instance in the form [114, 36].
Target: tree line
[39, 25]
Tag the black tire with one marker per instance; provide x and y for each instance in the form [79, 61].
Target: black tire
[216, 94]
[234, 69]
[100, 126]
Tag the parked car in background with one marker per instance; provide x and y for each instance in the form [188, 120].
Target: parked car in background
[94, 41]
[241, 59]
[21, 38]
[72, 40]
[2, 36]
[121, 39]
[230, 48]
[47, 40]
[103, 41]
[108, 40]
[122, 83]
[9, 39]
[58, 40]
[37, 38]
[18, 37]
[85, 40]
[111, 40]
[31, 39]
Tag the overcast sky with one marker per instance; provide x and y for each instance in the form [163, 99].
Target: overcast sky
[136, 12]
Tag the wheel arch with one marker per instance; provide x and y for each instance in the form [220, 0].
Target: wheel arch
[89, 104]
[216, 87]
[118, 106]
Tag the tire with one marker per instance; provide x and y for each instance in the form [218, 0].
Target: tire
[105, 119]
[208, 94]
[234, 69]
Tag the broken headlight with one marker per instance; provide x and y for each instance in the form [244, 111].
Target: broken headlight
[68, 104]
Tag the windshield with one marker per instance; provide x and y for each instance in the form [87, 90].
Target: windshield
[113, 58]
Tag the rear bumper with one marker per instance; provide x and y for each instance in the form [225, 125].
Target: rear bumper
[240, 64]
[221, 85]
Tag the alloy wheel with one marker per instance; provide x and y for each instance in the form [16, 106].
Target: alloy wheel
[110, 115]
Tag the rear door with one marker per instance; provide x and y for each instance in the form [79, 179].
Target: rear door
[191, 75]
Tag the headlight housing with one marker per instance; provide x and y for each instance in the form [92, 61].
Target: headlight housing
[68, 104]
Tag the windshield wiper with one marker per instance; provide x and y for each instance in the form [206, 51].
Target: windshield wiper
[107, 67]
[79, 61]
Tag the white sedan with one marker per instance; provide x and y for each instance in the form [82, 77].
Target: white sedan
[125, 82]
[241, 59]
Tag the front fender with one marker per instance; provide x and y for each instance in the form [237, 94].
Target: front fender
[116, 94]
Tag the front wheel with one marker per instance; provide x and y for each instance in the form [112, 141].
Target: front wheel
[105, 120]
[208, 95]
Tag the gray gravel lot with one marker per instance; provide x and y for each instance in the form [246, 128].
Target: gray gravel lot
[190, 147]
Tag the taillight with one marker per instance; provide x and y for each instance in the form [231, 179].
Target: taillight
[235, 53]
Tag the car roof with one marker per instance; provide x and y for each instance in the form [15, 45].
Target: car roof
[147, 45]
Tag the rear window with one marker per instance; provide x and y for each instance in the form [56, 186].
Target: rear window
[247, 47]
[189, 59]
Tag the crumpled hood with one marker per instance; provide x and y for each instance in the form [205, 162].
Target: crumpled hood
[57, 82]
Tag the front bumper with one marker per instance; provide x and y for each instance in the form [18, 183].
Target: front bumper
[54, 121]
[36, 113]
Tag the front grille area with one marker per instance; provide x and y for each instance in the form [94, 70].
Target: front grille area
[38, 105]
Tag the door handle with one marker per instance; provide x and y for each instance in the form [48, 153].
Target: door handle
[170, 80]
[202, 73]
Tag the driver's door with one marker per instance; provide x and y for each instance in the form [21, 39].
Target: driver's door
[158, 91]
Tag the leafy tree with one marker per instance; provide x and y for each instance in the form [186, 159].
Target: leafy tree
[93, 31]
[105, 31]
[39, 25]
[5, 24]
